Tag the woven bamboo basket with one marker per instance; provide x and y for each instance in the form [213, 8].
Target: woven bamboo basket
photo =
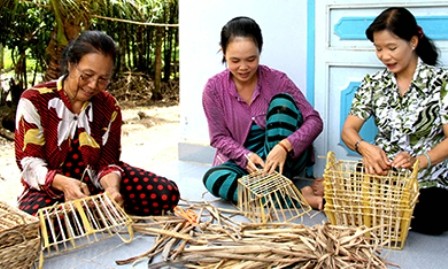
[78, 223]
[19, 238]
[270, 198]
[384, 203]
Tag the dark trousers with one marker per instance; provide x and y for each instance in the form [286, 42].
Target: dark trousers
[429, 213]
[144, 193]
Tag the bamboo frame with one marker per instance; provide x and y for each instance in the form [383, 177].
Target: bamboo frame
[356, 198]
[75, 224]
[270, 198]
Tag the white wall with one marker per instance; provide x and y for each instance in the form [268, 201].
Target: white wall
[283, 24]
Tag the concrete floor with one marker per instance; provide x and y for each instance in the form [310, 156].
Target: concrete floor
[420, 251]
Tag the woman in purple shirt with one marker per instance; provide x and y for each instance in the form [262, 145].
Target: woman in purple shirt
[257, 117]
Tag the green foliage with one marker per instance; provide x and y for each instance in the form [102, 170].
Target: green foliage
[7, 60]
[137, 40]
[28, 27]
[25, 35]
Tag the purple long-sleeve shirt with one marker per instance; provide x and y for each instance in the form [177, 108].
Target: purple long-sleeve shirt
[230, 118]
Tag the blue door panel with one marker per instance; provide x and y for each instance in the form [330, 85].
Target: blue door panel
[368, 130]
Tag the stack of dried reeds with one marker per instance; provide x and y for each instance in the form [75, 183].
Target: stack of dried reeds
[204, 236]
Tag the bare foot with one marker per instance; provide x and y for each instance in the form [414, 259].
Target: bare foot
[314, 200]
[318, 186]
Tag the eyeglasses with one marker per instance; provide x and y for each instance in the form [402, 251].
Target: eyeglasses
[101, 82]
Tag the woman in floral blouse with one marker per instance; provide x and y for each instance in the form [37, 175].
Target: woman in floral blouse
[68, 133]
[409, 103]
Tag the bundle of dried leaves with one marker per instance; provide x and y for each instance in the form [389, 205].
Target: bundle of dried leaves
[204, 236]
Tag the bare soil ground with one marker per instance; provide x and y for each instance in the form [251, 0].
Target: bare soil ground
[148, 133]
[150, 130]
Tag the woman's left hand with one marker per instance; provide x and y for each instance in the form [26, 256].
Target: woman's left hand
[403, 160]
[115, 195]
[275, 160]
[111, 185]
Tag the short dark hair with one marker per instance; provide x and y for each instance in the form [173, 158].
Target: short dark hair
[240, 27]
[88, 42]
[402, 23]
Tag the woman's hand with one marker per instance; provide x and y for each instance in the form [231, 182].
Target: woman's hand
[254, 163]
[72, 188]
[114, 194]
[276, 160]
[403, 160]
[374, 159]
[111, 185]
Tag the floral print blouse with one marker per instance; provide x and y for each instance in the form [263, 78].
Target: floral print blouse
[411, 123]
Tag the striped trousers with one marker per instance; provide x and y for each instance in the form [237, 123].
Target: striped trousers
[282, 119]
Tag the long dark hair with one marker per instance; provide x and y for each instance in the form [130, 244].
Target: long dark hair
[240, 27]
[87, 42]
[402, 23]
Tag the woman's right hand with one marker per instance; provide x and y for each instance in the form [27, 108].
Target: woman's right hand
[374, 159]
[72, 188]
[254, 163]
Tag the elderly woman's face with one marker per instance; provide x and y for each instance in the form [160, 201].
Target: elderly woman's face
[91, 75]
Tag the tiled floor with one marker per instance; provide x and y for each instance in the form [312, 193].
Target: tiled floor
[420, 251]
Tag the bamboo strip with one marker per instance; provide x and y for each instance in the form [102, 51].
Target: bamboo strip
[218, 243]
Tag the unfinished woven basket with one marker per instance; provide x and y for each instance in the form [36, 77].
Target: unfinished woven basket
[19, 238]
[75, 224]
[270, 198]
[386, 203]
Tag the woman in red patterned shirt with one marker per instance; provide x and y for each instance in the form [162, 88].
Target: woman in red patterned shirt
[68, 133]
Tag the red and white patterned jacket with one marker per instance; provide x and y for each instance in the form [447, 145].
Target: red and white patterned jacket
[45, 127]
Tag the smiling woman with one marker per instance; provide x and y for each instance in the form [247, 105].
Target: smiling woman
[409, 104]
[88, 77]
[257, 117]
[68, 138]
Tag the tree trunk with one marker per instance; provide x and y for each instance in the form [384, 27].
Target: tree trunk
[67, 28]
[134, 48]
[2, 52]
[167, 55]
[54, 52]
[148, 42]
[141, 64]
[2, 92]
[157, 94]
